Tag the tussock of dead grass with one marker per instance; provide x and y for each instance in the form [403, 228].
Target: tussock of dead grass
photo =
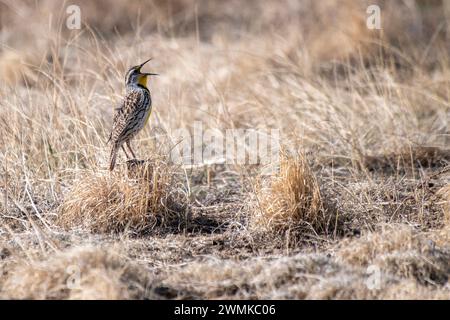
[138, 201]
[402, 251]
[354, 286]
[301, 276]
[444, 194]
[292, 201]
[408, 157]
[83, 272]
[14, 69]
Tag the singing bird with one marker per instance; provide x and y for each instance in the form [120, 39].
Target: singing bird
[133, 113]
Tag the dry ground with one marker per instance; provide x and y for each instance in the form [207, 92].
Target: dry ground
[363, 182]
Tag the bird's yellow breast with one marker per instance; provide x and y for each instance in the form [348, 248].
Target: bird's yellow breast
[143, 81]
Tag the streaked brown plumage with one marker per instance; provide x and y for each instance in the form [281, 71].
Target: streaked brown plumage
[133, 113]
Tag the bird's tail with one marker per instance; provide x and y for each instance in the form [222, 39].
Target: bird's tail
[113, 156]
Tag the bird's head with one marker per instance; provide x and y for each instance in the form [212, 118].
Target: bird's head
[134, 75]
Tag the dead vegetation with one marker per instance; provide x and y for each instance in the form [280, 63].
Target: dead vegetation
[137, 201]
[444, 196]
[292, 203]
[402, 251]
[409, 159]
[363, 186]
[84, 272]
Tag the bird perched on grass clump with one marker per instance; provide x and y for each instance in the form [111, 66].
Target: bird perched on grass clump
[132, 114]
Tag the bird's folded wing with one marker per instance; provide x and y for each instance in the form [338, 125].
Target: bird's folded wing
[116, 117]
[124, 114]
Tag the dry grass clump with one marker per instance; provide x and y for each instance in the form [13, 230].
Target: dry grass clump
[353, 286]
[401, 251]
[301, 276]
[408, 158]
[430, 267]
[292, 202]
[14, 68]
[411, 290]
[146, 197]
[362, 251]
[84, 272]
[257, 278]
[444, 194]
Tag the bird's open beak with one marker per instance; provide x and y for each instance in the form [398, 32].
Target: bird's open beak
[146, 74]
[142, 64]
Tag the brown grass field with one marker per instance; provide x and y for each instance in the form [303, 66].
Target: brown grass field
[363, 181]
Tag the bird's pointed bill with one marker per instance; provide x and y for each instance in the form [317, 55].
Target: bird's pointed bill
[142, 64]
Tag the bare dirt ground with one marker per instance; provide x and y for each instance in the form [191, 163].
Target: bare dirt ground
[358, 208]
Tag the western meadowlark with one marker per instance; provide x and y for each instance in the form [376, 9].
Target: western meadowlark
[132, 114]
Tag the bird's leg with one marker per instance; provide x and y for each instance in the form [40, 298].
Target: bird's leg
[129, 148]
[123, 148]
